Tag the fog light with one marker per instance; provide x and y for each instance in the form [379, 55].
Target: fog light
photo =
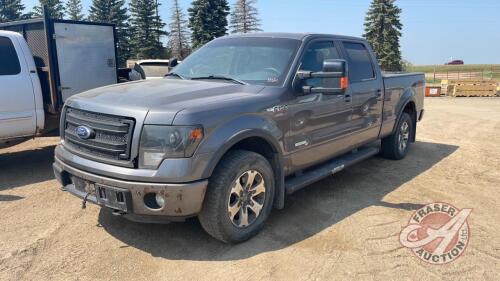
[154, 201]
[160, 200]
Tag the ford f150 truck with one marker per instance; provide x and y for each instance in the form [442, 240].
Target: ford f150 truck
[241, 123]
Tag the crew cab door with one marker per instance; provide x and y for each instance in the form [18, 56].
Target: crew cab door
[366, 90]
[319, 122]
[17, 101]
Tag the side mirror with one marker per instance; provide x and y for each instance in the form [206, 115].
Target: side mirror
[338, 66]
[173, 62]
[140, 71]
[332, 68]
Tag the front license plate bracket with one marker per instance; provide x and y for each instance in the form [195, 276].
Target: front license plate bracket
[114, 197]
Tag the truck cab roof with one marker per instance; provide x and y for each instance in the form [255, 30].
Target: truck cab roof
[10, 34]
[295, 36]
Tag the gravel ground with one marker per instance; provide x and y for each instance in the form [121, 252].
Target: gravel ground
[344, 227]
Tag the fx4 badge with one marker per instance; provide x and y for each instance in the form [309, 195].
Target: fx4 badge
[278, 109]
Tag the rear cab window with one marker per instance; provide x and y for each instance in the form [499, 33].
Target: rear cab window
[9, 62]
[360, 62]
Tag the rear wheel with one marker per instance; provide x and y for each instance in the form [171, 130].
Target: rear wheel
[396, 145]
[239, 197]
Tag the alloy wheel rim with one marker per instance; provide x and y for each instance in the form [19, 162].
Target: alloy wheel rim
[404, 136]
[246, 198]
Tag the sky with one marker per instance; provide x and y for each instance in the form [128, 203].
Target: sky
[434, 31]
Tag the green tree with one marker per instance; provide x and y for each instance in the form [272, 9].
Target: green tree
[10, 10]
[383, 30]
[207, 20]
[147, 29]
[74, 10]
[178, 38]
[245, 17]
[55, 8]
[115, 12]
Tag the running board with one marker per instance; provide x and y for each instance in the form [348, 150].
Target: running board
[329, 168]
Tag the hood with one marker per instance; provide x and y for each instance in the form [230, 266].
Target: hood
[160, 100]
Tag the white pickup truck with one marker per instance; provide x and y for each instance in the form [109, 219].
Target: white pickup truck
[43, 62]
[21, 109]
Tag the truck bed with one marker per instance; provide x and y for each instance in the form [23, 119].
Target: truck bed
[396, 86]
[404, 81]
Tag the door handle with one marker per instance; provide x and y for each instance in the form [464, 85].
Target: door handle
[347, 97]
[379, 93]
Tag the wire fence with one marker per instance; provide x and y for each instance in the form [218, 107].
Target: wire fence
[485, 74]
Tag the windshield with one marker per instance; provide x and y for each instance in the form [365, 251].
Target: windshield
[154, 69]
[261, 61]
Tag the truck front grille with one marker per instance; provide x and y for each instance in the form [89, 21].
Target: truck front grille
[111, 139]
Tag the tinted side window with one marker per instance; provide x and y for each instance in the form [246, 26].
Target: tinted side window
[313, 59]
[9, 63]
[360, 64]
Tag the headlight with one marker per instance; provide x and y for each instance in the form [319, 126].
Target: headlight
[160, 142]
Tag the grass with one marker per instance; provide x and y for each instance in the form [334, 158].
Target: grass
[455, 68]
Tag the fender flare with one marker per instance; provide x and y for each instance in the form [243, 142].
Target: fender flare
[277, 163]
[407, 97]
[228, 144]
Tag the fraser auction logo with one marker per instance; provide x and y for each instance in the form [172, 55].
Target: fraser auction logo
[437, 233]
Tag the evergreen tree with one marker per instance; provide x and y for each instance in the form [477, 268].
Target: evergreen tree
[207, 20]
[178, 39]
[383, 30]
[147, 28]
[114, 11]
[74, 10]
[55, 8]
[10, 10]
[244, 17]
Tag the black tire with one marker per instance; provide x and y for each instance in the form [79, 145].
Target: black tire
[391, 145]
[215, 216]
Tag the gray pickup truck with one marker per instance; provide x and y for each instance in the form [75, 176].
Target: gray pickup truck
[234, 128]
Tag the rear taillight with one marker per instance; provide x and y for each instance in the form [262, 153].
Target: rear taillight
[344, 83]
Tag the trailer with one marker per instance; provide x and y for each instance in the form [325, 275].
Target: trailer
[44, 62]
[70, 56]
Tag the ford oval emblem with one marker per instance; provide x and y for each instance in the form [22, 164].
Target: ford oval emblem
[84, 132]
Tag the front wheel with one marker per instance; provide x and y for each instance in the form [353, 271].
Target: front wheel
[396, 145]
[239, 197]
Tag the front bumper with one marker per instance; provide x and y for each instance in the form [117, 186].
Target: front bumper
[181, 200]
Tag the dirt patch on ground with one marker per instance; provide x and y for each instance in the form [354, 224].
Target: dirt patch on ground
[344, 227]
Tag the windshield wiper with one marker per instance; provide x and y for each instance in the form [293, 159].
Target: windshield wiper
[218, 77]
[175, 75]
